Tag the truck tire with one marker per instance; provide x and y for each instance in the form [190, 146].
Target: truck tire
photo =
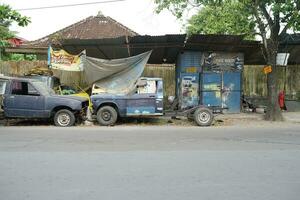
[203, 117]
[107, 116]
[64, 118]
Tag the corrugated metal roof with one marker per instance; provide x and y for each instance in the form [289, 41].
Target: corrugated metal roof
[167, 47]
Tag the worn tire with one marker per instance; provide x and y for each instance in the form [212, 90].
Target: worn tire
[203, 116]
[64, 118]
[107, 116]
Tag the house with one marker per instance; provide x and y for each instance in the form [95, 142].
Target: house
[16, 41]
[93, 27]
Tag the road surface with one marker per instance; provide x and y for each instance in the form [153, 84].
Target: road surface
[161, 162]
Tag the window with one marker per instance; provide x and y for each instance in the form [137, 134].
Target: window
[2, 87]
[23, 88]
[160, 89]
[148, 88]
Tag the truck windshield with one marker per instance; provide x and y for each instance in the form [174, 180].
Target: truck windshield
[42, 88]
[2, 87]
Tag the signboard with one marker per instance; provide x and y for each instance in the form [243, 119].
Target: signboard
[223, 61]
[267, 69]
[62, 60]
[282, 59]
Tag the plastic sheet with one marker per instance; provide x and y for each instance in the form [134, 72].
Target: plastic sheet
[116, 76]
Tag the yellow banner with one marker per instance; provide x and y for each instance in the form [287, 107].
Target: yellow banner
[62, 60]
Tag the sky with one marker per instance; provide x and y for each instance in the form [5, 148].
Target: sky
[138, 15]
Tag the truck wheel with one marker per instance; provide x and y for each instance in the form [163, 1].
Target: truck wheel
[203, 117]
[107, 116]
[64, 118]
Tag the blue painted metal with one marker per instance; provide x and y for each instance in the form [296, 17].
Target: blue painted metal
[187, 62]
[27, 98]
[217, 88]
[189, 90]
[232, 80]
[232, 91]
[189, 59]
[232, 101]
[140, 110]
[211, 81]
[221, 89]
[137, 104]
[211, 98]
[49, 55]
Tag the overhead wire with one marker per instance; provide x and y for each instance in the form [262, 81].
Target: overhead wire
[69, 5]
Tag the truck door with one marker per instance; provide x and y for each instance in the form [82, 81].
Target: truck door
[24, 100]
[147, 101]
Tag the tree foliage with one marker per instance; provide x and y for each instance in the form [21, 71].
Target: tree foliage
[7, 17]
[272, 18]
[228, 18]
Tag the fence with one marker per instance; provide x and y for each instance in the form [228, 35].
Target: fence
[254, 80]
[11, 68]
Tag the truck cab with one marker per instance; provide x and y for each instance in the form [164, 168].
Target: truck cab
[145, 100]
[28, 98]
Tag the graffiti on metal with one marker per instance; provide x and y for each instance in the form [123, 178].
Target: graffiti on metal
[216, 61]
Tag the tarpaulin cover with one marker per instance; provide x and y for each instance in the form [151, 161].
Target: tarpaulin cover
[116, 76]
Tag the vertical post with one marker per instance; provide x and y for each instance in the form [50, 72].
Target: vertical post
[49, 56]
[127, 44]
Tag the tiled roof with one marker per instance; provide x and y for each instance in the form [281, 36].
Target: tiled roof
[93, 27]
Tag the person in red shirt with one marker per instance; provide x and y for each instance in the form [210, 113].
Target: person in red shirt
[281, 100]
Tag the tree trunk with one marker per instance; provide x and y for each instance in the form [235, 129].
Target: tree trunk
[273, 109]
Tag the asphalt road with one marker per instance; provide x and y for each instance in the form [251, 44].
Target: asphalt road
[134, 162]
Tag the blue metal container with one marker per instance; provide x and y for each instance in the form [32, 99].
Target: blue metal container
[232, 80]
[189, 59]
[221, 89]
[187, 62]
[211, 98]
[189, 90]
[232, 91]
[233, 101]
[211, 81]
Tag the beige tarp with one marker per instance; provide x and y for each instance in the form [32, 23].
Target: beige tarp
[116, 76]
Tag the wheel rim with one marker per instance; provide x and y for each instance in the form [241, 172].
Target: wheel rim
[63, 119]
[106, 115]
[204, 117]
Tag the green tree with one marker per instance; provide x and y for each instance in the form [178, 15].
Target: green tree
[228, 18]
[272, 18]
[7, 17]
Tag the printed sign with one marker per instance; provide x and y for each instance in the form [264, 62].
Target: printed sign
[222, 61]
[267, 69]
[64, 61]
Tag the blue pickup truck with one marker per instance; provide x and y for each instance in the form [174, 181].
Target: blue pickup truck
[145, 100]
[28, 98]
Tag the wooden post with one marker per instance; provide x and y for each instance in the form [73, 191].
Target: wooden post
[127, 44]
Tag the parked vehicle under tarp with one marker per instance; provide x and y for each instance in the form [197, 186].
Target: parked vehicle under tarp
[117, 76]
